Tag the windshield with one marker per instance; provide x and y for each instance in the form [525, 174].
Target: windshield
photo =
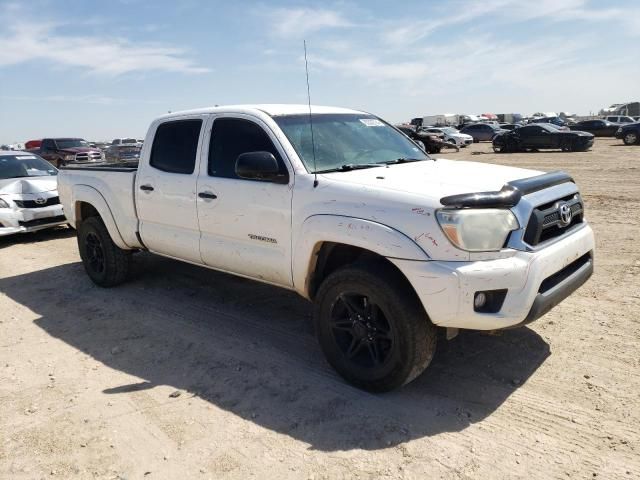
[71, 143]
[18, 166]
[449, 130]
[129, 140]
[346, 139]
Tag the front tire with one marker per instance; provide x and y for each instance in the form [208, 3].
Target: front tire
[372, 328]
[630, 138]
[105, 263]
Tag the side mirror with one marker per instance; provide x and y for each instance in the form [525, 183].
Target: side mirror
[261, 166]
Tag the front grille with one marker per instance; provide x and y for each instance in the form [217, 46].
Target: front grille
[34, 204]
[546, 223]
[88, 157]
[43, 221]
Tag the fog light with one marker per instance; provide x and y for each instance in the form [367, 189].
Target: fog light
[489, 301]
[479, 300]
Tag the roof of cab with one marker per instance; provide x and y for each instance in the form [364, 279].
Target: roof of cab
[273, 110]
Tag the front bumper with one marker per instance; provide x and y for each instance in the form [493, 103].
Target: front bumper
[535, 282]
[23, 220]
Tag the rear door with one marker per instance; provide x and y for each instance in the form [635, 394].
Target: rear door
[166, 189]
[245, 224]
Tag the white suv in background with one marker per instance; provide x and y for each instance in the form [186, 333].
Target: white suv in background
[619, 119]
[451, 135]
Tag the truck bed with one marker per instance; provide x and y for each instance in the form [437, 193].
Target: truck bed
[108, 184]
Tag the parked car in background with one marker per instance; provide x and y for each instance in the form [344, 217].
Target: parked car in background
[630, 133]
[599, 128]
[432, 142]
[123, 152]
[482, 132]
[451, 135]
[67, 151]
[619, 119]
[32, 144]
[28, 194]
[537, 136]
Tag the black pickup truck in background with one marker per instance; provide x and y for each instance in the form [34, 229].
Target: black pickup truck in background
[67, 151]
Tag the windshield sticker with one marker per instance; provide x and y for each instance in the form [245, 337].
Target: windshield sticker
[372, 122]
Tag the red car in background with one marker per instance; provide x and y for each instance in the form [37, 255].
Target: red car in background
[32, 144]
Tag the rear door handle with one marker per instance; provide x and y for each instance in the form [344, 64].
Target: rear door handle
[146, 188]
[207, 195]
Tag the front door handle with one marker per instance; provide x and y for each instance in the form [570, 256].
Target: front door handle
[207, 195]
[146, 188]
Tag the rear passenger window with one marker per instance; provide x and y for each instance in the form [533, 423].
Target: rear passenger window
[175, 145]
[231, 137]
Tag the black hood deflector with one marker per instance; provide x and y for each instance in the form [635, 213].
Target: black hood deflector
[509, 195]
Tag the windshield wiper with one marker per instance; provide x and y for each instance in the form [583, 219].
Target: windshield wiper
[350, 166]
[403, 160]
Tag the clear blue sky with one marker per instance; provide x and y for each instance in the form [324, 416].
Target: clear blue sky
[105, 69]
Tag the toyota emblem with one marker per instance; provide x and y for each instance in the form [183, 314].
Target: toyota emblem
[565, 214]
[41, 201]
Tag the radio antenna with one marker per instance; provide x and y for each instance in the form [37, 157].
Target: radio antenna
[313, 143]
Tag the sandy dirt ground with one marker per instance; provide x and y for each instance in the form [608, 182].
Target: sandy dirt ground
[188, 373]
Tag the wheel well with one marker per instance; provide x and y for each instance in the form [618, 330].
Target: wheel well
[331, 256]
[85, 210]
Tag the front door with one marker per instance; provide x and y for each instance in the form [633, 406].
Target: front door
[166, 190]
[245, 224]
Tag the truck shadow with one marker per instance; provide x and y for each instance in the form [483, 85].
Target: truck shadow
[249, 348]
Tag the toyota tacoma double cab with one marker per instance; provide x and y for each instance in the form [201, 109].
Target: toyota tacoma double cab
[388, 243]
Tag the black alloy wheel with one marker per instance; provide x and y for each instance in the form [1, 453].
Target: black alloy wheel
[95, 253]
[361, 330]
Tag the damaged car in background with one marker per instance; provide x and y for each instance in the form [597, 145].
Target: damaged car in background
[538, 136]
[28, 194]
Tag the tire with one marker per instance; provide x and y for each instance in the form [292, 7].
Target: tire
[630, 138]
[105, 263]
[501, 148]
[389, 350]
[567, 146]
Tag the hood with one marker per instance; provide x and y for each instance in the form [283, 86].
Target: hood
[28, 185]
[435, 179]
[79, 149]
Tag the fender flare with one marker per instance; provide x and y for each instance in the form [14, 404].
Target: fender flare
[87, 194]
[366, 234]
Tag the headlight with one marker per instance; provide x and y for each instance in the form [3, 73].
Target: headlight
[3, 204]
[477, 230]
[69, 158]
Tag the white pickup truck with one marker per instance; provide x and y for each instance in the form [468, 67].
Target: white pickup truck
[341, 207]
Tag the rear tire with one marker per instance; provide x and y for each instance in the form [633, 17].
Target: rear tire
[105, 263]
[372, 327]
